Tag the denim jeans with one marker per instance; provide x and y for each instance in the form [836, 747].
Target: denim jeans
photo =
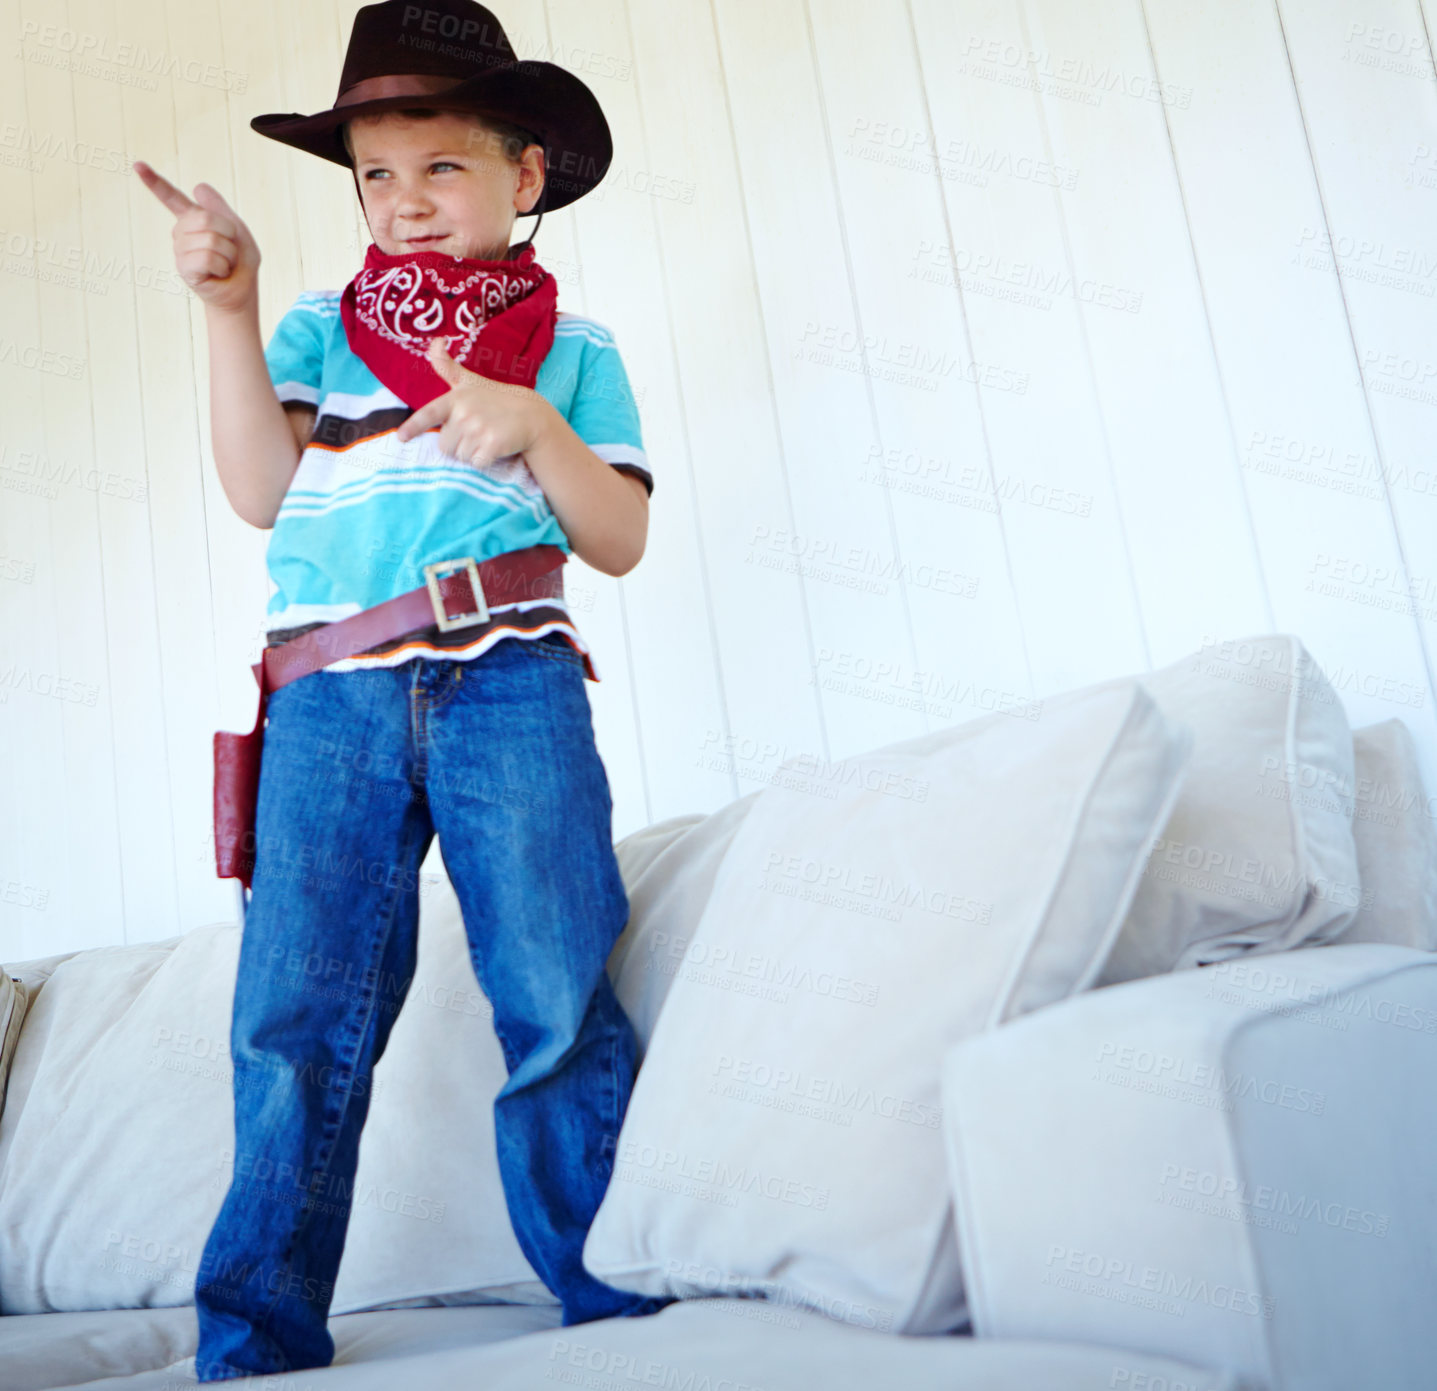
[361, 769]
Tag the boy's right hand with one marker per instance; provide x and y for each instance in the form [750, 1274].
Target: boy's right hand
[214, 252]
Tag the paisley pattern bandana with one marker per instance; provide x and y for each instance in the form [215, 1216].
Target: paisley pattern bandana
[497, 316]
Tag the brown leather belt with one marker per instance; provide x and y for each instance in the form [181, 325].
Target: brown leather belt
[471, 589]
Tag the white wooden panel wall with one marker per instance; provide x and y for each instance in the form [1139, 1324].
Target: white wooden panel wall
[984, 348]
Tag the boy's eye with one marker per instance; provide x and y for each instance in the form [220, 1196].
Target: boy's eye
[438, 164]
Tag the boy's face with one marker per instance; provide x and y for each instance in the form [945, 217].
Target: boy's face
[441, 183]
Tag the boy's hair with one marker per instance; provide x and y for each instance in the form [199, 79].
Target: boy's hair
[510, 138]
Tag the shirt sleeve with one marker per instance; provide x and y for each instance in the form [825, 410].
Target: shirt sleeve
[604, 413]
[295, 355]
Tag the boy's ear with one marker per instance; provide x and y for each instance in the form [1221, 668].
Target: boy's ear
[543, 180]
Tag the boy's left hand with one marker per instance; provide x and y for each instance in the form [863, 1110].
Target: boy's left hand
[483, 420]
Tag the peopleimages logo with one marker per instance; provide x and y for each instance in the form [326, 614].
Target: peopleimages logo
[851, 772]
[1263, 1197]
[602, 1368]
[743, 1078]
[753, 973]
[1112, 1277]
[1247, 982]
[1174, 1071]
[715, 1174]
[838, 879]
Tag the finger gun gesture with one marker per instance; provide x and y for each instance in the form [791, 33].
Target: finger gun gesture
[215, 254]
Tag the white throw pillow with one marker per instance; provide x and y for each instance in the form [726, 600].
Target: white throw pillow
[783, 1137]
[32, 975]
[637, 852]
[668, 871]
[1258, 855]
[98, 1151]
[1395, 827]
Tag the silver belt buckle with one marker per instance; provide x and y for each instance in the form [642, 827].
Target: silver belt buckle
[432, 574]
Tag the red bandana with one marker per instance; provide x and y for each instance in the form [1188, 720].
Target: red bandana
[396, 304]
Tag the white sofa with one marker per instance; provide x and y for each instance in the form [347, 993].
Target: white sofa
[1126, 1175]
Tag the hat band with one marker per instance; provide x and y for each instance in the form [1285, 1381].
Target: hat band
[406, 84]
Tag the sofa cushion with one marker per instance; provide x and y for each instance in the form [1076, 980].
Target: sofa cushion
[783, 1137]
[1395, 828]
[668, 870]
[39, 1352]
[703, 1345]
[19, 986]
[637, 852]
[1258, 854]
[1232, 1164]
[42, 1351]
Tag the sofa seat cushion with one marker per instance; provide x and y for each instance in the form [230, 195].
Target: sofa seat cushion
[38, 1351]
[702, 1345]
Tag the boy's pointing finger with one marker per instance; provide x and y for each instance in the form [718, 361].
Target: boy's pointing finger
[163, 189]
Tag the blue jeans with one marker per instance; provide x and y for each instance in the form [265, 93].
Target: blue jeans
[361, 769]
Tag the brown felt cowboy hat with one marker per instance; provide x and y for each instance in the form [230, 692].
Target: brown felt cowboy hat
[453, 55]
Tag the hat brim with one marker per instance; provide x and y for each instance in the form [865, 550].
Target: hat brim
[540, 96]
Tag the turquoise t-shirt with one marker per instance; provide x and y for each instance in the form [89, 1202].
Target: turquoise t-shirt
[365, 512]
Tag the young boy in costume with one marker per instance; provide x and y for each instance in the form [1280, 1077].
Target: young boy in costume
[438, 414]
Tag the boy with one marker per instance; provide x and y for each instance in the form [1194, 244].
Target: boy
[373, 459]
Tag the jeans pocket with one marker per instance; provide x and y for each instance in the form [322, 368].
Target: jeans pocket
[553, 646]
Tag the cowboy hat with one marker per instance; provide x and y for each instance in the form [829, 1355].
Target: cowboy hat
[453, 55]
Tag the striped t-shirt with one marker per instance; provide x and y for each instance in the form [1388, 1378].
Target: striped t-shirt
[366, 512]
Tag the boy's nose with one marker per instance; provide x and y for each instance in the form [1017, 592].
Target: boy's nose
[412, 200]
